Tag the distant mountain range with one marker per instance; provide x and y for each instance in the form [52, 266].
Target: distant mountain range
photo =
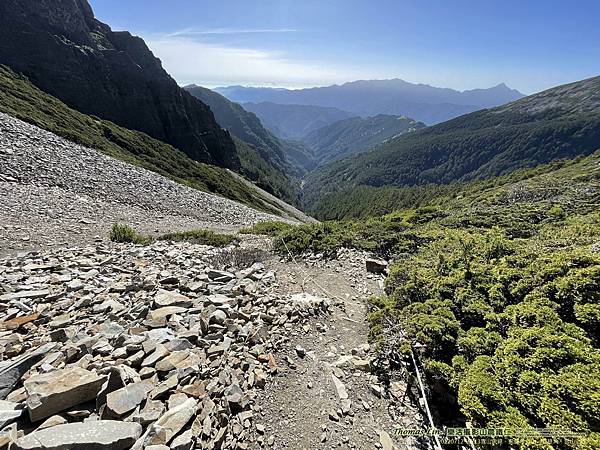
[424, 103]
[295, 121]
[562, 122]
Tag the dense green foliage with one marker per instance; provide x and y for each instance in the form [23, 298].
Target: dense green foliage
[499, 283]
[368, 201]
[562, 122]
[123, 233]
[20, 99]
[265, 175]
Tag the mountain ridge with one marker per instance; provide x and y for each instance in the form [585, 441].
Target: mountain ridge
[65, 51]
[356, 135]
[422, 102]
[561, 122]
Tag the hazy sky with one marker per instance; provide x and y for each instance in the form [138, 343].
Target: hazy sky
[528, 44]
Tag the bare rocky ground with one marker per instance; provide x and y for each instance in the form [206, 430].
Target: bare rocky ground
[180, 346]
[55, 193]
[327, 395]
[172, 346]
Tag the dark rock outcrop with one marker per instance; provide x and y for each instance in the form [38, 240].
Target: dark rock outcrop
[65, 51]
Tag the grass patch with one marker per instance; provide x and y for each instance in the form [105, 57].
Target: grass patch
[123, 233]
[203, 237]
[268, 228]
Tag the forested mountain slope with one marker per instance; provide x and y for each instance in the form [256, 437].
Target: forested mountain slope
[356, 135]
[557, 123]
[262, 155]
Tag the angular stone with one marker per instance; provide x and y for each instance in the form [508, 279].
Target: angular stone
[152, 411]
[170, 298]
[92, 435]
[56, 391]
[185, 441]
[159, 353]
[166, 311]
[235, 398]
[9, 412]
[52, 422]
[24, 294]
[220, 275]
[385, 440]
[218, 316]
[339, 387]
[124, 400]
[12, 371]
[174, 420]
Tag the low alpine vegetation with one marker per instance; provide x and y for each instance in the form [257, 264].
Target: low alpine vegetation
[203, 237]
[495, 288]
[123, 233]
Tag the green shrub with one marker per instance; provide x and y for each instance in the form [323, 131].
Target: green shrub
[123, 233]
[203, 237]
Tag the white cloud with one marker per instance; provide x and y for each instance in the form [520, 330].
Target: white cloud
[193, 32]
[191, 61]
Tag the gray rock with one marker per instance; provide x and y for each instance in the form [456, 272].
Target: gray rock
[93, 435]
[339, 388]
[12, 371]
[220, 275]
[124, 400]
[56, 391]
[173, 422]
[185, 441]
[218, 316]
[170, 298]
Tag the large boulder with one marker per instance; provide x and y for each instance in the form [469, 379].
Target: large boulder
[92, 435]
[53, 392]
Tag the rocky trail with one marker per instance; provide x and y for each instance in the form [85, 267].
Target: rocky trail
[327, 394]
[182, 346]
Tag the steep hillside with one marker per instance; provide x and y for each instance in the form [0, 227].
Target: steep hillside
[356, 135]
[294, 121]
[245, 125]
[559, 123]
[65, 51]
[262, 155]
[20, 99]
[371, 97]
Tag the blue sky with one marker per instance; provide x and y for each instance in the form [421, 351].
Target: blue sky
[528, 44]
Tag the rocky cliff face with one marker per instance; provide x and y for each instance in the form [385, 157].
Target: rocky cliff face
[64, 50]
